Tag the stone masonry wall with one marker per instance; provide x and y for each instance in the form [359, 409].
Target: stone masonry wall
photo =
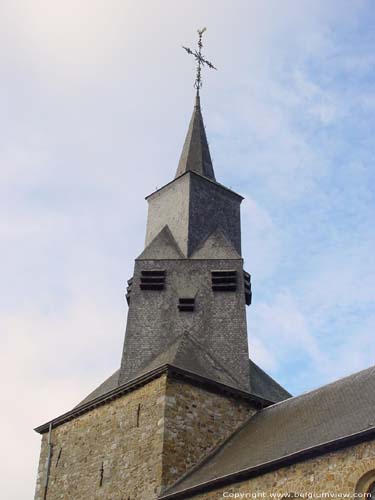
[109, 435]
[106, 454]
[337, 473]
[196, 421]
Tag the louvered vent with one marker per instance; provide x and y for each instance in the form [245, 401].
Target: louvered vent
[152, 280]
[247, 283]
[224, 281]
[128, 290]
[186, 305]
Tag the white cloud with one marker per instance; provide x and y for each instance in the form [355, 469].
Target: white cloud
[283, 327]
[261, 244]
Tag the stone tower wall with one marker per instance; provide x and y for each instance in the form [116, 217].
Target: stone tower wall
[109, 435]
[196, 421]
[131, 447]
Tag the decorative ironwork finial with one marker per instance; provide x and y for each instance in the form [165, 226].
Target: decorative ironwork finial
[201, 60]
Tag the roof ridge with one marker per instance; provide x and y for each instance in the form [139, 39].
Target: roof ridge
[215, 182]
[216, 363]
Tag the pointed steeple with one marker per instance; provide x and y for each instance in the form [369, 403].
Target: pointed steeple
[195, 154]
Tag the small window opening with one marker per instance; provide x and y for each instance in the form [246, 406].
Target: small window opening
[152, 280]
[224, 281]
[186, 304]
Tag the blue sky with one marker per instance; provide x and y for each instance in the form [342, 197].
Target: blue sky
[96, 98]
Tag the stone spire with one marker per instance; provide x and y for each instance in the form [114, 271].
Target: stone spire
[195, 154]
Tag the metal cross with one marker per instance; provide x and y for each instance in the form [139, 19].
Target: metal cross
[201, 60]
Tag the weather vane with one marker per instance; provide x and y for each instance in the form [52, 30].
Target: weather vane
[201, 60]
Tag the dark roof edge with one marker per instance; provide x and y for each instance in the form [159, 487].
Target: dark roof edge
[143, 379]
[198, 175]
[258, 470]
[194, 259]
[100, 400]
[233, 391]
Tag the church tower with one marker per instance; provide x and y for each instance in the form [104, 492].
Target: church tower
[188, 295]
[185, 383]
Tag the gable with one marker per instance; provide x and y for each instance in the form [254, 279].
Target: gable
[216, 246]
[163, 246]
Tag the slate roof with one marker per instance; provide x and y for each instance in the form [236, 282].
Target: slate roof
[185, 353]
[195, 154]
[342, 409]
[188, 353]
[163, 246]
[266, 387]
[217, 246]
[108, 385]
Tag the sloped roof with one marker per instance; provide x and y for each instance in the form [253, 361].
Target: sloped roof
[186, 354]
[265, 386]
[342, 409]
[195, 154]
[163, 246]
[108, 385]
[216, 246]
